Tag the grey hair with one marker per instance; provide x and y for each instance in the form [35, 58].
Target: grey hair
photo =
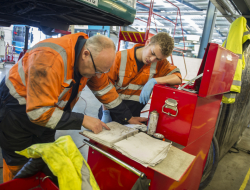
[99, 42]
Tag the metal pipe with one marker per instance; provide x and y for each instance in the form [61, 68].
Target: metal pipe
[178, 13]
[116, 160]
[208, 28]
[155, 24]
[140, 20]
[190, 81]
[159, 16]
[26, 38]
[149, 20]
[164, 18]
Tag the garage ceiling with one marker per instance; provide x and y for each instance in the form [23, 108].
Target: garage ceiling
[193, 15]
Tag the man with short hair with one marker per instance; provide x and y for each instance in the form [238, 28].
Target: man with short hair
[137, 70]
[40, 91]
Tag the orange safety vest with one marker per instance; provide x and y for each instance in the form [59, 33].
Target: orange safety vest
[41, 79]
[128, 81]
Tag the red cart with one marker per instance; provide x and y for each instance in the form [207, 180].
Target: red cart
[187, 117]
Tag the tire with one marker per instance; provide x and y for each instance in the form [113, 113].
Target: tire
[211, 164]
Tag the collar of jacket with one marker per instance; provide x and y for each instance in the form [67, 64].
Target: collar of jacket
[131, 56]
[131, 52]
[78, 48]
[73, 40]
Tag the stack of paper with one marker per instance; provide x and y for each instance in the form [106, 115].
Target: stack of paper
[143, 149]
[116, 133]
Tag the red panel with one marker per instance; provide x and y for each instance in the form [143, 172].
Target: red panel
[21, 184]
[219, 70]
[136, 37]
[205, 116]
[34, 183]
[47, 184]
[110, 175]
[177, 128]
[191, 179]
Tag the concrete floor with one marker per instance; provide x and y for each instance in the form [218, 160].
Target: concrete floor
[231, 170]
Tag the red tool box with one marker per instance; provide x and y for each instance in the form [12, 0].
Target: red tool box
[36, 182]
[186, 116]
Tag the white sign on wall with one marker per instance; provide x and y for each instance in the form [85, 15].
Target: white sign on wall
[92, 2]
[81, 26]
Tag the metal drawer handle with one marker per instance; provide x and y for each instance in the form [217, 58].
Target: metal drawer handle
[171, 104]
[118, 161]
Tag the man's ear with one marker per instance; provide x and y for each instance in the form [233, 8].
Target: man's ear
[147, 42]
[85, 54]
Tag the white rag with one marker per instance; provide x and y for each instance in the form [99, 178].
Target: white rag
[143, 149]
[116, 133]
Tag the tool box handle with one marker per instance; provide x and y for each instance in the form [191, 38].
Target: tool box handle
[118, 161]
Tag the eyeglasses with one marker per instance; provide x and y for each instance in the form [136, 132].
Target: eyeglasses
[96, 72]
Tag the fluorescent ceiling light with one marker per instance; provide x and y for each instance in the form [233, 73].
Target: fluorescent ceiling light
[161, 2]
[192, 24]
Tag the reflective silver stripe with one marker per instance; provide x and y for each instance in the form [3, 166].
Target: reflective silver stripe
[130, 87]
[114, 103]
[35, 114]
[57, 48]
[21, 71]
[236, 83]
[246, 33]
[54, 119]
[68, 81]
[79, 94]
[65, 90]
[13, 92]
[104, 90]
[240, 56]
[86, 185]
[230, 95]
[130, 97]
[63, 93]
[61, 103]
[152, 70]
[122, 67]
[173, 71]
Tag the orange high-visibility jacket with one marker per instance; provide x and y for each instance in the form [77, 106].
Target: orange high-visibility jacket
[128, 81]
[42, 78]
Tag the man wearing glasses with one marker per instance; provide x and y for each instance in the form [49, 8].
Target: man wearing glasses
[137, 70]
[39, 92]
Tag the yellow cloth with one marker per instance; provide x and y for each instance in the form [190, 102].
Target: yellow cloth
[66, 162]
[237, 36]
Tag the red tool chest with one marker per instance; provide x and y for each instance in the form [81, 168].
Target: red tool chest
[186, 117]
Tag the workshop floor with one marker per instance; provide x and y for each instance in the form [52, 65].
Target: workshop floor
[232, 170]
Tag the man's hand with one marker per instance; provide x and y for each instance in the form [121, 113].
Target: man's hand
[137, 120]
[94, 124]
[146, 91]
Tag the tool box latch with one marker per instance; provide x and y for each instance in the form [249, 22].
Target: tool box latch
[170, 104]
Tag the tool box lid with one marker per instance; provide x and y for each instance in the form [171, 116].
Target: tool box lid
[218, 67]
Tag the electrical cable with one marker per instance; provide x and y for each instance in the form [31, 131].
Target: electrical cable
[86, 105]
[81, 146]
[238, 150]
